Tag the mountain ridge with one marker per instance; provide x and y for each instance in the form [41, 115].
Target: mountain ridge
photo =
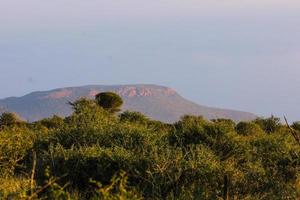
[155, 101]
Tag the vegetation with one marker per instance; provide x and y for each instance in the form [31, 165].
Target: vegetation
[96, 154]
[9, 120]
[109, 101]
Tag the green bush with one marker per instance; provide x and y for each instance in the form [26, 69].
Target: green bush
[248, 128]
[134, 117]
[269, 125]
[15, 144]
[54, 122]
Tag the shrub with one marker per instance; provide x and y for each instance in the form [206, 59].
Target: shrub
[269, 125]
[134, 117]
[9, 120]
[15, 144]
[54, 122]
[248, 128]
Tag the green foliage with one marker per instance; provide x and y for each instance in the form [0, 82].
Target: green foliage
[189, 130]
[15, 144]
[296, 126]
[248, 128]
[109, 101]
[132, 157]
[88, 115]
[226, 122]
[134, 117]
[269, 125]
[9, 120]
[54, 122]
[116, 190]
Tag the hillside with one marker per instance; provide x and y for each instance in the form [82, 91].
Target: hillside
[157, 102]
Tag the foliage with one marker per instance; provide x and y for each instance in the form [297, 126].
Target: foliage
[296, 125]
[269, 125]
[109, 101]
[116, 190]
[9, 120]
[94, 154]
[52, 123]
[15, 144]
[248, 128]
[134, 117]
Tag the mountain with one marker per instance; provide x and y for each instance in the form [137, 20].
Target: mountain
[157, 102]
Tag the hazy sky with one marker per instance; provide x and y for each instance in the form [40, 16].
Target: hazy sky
[232, 54]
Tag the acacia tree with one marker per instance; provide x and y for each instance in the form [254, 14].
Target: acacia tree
[109, 101]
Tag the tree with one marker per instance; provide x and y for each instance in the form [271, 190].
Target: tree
[248, 128]
[88, 114]
[109, 101]
[269, 125]
[8, 119]
[83, 104]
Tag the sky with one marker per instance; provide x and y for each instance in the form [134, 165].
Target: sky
[234, 54]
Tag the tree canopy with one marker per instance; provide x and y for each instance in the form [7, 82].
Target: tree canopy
[109, 101]
[8, 119]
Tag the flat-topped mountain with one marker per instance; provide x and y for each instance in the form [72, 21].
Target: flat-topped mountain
[157, 102]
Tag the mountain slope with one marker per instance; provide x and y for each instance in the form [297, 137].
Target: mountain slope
[157, 102]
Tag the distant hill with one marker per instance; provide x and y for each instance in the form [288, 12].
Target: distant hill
[157, 102]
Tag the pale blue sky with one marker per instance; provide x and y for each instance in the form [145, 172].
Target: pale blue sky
[232, 54]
